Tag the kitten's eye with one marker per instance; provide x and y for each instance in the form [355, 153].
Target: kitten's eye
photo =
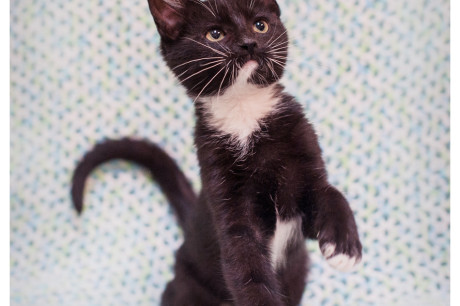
[215, 35]
[260, 26]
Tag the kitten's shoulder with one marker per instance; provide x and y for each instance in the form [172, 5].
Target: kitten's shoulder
[290, 119]
[289, 109]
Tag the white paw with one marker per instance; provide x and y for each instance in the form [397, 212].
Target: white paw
[328, 249]
[341, 262]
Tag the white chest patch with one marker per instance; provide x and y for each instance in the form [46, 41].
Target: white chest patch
[239, 110]
[286, 232]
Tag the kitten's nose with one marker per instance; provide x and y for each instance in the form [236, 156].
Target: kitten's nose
[249, 47]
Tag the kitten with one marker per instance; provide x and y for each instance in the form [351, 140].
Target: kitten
[264, 181]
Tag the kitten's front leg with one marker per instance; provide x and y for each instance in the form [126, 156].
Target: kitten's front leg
[336, 230]
[245, 256]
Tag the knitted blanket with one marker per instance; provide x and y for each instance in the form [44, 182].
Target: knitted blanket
[373, 77]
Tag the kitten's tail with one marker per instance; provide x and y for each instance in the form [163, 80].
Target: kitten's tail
[164, 170]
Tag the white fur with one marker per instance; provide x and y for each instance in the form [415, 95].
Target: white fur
[341, 262]
[286, 231]
[240, 109]
[328, 250]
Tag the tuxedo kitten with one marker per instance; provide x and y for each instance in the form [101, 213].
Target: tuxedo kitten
[265, 186]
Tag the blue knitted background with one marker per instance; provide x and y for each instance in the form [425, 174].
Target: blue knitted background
[373, 76]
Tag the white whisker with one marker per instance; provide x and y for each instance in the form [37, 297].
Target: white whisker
[272, 69]
[215, 50]
[271, 37]
[261, 78]
[202, 70]
[223, 79]
[204, 79]
[281, 43]
[278, 51]
[213, 62]
[208, 83]
[279, 48]
[204, 5]
[276, 62]
[198, 59]
[183, 73]
[279, 57]
[224, 47]
[277, 38]
[217, 10]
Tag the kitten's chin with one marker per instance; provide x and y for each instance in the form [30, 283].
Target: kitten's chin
[247, 70]
[251, 64]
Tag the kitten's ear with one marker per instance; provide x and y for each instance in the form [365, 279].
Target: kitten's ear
[274, 5]
[168, 17]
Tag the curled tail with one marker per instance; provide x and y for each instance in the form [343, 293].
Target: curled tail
[163, 169]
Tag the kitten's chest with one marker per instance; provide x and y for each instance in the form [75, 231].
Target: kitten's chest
[240, 111]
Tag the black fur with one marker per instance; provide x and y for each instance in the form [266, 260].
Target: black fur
[280, 174]
[172, 181]
[235, 19]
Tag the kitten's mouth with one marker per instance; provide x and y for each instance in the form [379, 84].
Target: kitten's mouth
[257, 70]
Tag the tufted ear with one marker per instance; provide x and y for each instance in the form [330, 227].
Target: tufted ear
[168, 17]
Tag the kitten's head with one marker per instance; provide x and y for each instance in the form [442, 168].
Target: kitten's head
[207, 42]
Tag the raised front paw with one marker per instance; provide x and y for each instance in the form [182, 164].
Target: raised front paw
[340, 247]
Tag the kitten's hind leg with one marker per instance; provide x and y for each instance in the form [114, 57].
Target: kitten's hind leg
[185, 290]
[293, 275]
[189, 286]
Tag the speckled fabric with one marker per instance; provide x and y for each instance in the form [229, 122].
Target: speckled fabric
[373, 76]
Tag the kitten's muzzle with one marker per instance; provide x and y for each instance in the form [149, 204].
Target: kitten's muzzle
[249, 47]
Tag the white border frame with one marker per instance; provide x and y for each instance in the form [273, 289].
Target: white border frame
[5, 152]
